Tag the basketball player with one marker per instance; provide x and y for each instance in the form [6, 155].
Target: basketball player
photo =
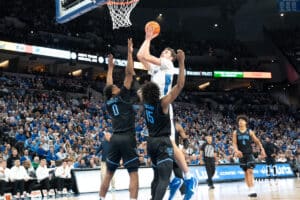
[178, 180]
[208, 154]
[120, 108]
[162, 70]
[241, 140]
[271, 152]
[159, 145]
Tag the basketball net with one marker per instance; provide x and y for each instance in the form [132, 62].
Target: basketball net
[120, 12]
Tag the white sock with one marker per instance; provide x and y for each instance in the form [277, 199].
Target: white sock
[102, 198]
[251, 190]
[187, 175]
[132, 199]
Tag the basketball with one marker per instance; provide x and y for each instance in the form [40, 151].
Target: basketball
[154, 25]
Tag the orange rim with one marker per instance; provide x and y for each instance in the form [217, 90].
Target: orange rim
[110, 2]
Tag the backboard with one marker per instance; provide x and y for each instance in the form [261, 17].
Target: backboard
[67, 10]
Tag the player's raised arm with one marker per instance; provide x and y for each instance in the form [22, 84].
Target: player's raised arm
[109, 76]
[144, 55]
[175, 91]
[129, 70]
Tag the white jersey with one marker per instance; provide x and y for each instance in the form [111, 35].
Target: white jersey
[162, 75]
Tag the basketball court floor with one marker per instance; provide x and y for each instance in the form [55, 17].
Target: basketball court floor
[283, 189]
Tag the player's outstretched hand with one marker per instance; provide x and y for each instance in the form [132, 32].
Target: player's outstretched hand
[130, 45]
[150, 33]
[110, 60]
[180, 56]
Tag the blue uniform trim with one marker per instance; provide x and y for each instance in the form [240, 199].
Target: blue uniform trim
[168, 78]
[111, 162]
[136, 158]
[164, 160]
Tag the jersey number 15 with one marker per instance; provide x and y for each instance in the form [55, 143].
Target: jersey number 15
[149, 115]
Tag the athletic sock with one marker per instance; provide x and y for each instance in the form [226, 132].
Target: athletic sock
[251, 190]
[102, 198]
[187, 175]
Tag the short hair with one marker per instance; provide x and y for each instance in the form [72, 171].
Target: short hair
[244, 117]
[150, 93]
[107, 91]
[173, 53]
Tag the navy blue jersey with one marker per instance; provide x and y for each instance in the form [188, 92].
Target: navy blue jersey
[120, 108]
[158, 123]
[244, 141]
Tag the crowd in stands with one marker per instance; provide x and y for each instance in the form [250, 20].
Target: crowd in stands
[41, 125]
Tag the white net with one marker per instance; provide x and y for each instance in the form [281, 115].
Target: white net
[120, 12]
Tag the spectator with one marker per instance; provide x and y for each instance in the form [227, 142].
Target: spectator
[18, 176]
[63, 174]
[51, 155]
[25, 156]
[14, 156]
[42, 174]
[4, 177]
[36, 162]
[61, 154]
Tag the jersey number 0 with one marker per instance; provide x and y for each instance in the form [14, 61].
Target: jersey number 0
[115, 109]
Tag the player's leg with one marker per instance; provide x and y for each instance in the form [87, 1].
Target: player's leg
[105, 184]
[191, 182]
[177, 181]
[180, 158]
[164, 165]
[133, 185]
[131, 162]
[154, 182]
[164, 171]
[210, 172]
[250, 176]
[112, 163]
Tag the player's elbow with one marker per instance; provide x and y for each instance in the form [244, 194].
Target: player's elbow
[140, 56]
[180, 84]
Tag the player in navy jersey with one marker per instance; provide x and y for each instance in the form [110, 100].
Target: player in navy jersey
[162, 70]
[241, 140]
[159, 145]
[271, 152]
[120, 107]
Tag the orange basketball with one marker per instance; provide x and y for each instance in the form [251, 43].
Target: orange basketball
[154, 25]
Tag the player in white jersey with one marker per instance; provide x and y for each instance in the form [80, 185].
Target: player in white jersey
[162, 70]
[162, 74]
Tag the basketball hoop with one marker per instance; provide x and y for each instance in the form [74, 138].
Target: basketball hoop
[120, 12]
